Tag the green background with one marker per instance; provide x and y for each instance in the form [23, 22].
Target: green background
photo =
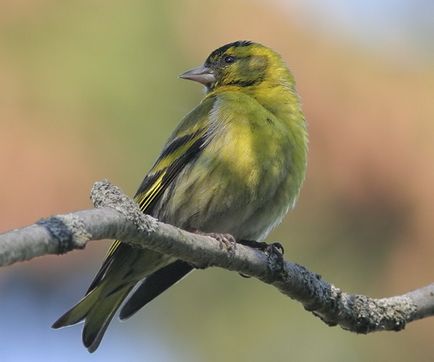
[89, 90]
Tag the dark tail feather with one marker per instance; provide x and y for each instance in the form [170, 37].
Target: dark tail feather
[154, 285]
[97, 309]
[99, 317]
[78, 312]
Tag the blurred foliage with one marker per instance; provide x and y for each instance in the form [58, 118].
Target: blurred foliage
[89, 91]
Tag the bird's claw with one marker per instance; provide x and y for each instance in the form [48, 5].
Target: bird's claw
[264, 247]
[275, 247]
[226, 241]
[274, 252]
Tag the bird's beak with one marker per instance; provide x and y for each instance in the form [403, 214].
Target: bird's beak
[200, 74]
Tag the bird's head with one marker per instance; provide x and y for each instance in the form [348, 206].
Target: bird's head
[240, 64]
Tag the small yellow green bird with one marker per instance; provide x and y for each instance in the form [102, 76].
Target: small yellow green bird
[234, 165]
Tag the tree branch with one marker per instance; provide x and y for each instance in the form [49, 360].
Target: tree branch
[118, 217]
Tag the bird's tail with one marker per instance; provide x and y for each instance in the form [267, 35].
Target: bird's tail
[97, 309]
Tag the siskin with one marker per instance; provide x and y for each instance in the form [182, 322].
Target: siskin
[234, 165]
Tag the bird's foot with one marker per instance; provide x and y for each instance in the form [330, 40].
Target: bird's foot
[274, 252]
[263, 246]
[225, 240]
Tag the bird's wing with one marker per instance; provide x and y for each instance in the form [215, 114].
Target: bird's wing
[184, 145]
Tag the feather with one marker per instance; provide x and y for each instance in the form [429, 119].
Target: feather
[154, 285]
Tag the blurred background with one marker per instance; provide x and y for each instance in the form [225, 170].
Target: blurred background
[89, 90]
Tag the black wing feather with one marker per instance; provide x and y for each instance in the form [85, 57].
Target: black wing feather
[154, 285]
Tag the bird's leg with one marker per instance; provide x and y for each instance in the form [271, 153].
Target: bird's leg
[225, 240]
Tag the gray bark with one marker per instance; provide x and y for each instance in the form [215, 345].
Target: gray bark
[117, 217]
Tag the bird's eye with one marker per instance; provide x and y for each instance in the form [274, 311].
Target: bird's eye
[229, 59]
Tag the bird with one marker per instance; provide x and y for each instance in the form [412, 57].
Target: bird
[233, 167]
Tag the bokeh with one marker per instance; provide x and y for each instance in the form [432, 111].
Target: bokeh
[89, 91]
